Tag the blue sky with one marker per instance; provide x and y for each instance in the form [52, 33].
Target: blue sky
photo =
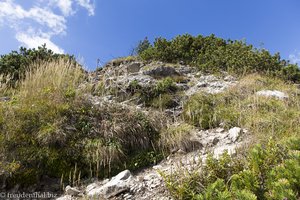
[105, 29]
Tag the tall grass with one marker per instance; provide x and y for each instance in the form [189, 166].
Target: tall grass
[50, 80]
[5, 89]
[31, 121]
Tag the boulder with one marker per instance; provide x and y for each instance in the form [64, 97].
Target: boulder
[161, 71]
[234, 133]
[273, 93]
[117, 185]
[133, 67]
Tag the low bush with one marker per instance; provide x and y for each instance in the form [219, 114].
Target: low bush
[266, 172]
[160, 95]
[213, 54]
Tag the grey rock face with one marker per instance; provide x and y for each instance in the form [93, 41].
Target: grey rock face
[134, 67]
[90, 187]
[161, 71]
[210, 84]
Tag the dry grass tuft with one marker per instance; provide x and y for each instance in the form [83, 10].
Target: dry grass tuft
[50, 80]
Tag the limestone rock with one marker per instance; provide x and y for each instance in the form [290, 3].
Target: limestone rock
[210, 84]
[234, 133]
[72, 191]
[220, 130]
[133, 67]
[273, 93]
[161, 71]
[91, 187]
[117, 185]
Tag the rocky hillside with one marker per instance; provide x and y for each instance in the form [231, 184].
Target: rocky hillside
[132, 84]
[190, 118]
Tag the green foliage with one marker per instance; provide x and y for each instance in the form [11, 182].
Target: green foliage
[133, 87]
[213, 54]
[159, 95]
[50, 127]
[142, 46]
[166, 85]
[16, 63]
[269, 172]
[50, 140]
[199, 110]
[291, 72]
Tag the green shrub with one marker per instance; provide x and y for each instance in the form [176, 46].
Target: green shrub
[159, 95]
[166, 85]
[269, 172]
[213, 54]
[143, 159]
[291, 72]
[142, 46]
[134, 87]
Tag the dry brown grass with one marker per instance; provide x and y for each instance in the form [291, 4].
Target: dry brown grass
[177, 136]
[50, 79]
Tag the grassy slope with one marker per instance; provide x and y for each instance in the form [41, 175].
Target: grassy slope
[49, 127]
[270, 170]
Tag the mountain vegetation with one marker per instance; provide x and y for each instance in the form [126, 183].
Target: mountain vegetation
[213, 54]
[55, 121]
[14, 65]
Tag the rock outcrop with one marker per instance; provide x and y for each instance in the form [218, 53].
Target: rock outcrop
[148, 183]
